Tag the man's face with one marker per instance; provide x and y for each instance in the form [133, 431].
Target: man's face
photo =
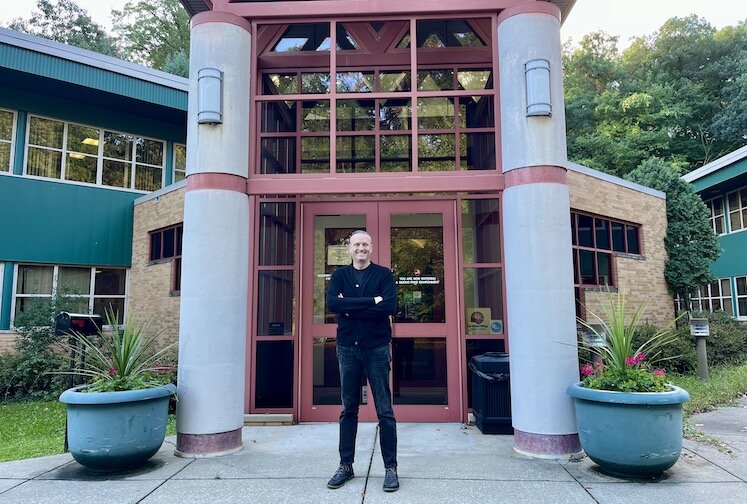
[360, 248]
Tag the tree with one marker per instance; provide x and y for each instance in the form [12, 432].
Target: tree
[690, 242]
[155, 33]
[65, 22]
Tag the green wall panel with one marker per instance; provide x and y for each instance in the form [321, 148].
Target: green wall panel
[733, 260]
[61, 223]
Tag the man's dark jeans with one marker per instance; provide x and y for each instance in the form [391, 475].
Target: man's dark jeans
[353, 361]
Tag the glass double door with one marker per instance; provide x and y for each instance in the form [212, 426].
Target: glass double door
[416, 239]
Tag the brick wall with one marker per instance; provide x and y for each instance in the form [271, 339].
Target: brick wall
[150, 296]
[642, 279]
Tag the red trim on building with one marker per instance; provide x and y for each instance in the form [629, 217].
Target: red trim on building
[221, 181]
[535, 175]
[529, 8]
[220, 17]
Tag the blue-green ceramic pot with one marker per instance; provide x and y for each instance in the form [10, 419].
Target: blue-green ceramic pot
[114, 431]
[630, 434]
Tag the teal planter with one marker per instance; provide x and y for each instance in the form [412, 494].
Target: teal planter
[114, 431]
[630, 434]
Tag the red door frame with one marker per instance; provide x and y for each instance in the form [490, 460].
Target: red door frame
[378, 218]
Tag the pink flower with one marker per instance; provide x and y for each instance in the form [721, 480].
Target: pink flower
[640, 357]
[112, 371]
[630, 361]
[659, 372]
[587, 370]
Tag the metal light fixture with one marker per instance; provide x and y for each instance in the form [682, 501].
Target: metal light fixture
[209, 96]
[537, 76]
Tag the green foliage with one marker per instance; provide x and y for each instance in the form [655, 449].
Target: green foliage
[726, 383]
[624, 366]
[125, 358]
[64, 21]
[690, 242]
[155, 33]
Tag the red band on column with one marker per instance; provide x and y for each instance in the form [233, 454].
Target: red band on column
[535, 175]
[221, 17]
[529, 8]
[221, 181]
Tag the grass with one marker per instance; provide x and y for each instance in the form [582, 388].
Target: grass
[33, 429]
[37, 428]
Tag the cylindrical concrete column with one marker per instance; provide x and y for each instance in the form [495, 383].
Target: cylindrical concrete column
[215, 250]
[537, 237]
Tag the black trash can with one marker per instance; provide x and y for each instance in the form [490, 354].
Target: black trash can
[491, 393]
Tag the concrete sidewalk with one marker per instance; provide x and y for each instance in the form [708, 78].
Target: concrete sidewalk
[437, 463]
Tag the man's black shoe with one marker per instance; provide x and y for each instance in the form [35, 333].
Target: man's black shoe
[391, 481]
[344, 473]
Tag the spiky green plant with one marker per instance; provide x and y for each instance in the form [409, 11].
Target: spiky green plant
[125, 358]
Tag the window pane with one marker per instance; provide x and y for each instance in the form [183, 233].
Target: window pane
[633, 245]
[355, 82]
[315, 155]
[725, 287]
[588, 269]
[304, 37]
[356, 115]
[719, 225]
[326, 375]
[442, 33]
[742, 307]
[278, 155]
[277, 226]
[82, 139]
[109, 282]
[169, 242]
[356, 154]
[436, 113]
[483, 294]
[419, 371]
[74, 281]
[315, 116]
[435, 80]
[315, 82]
[44, 163]
[116, 174]
[155, 246]
[573, 228]
[394, 81]
[734, 220]
[46, 132]
[476, 112]
[396, 153]
[477, 151]
[585, 236]
[618, 237]
[275, 303]
[34, 280]
[604, 266]
[274, 383]
[149, 152]
[148, 178]
[6, 125]
[475, 79]
[118, 146]
[81, 168]
[742, 286]
[279, 117]
[395, 114]
[602, 233]
[481, 236]
[4, 156]
[436, 152]
[279, 84]
[116, 305]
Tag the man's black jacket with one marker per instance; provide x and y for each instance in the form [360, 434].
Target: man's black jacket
[360, 321]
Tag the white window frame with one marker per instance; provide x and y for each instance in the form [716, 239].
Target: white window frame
[55, 275]
[714, 217]
[99, 154]
[174, 169]
[12, 140]
[737, 297]
[740, 210]
[703, 297]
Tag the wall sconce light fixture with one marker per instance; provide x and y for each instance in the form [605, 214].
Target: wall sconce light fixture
[537, 74]
[209, 96]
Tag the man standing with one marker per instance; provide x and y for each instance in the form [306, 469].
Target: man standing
[363, 296]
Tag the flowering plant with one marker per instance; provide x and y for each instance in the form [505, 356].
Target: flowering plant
[619, 365]
[125, 358]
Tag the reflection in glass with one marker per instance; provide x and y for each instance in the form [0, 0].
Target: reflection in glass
[274, 375]
[275, 305]
[356, 154]
[277, 227]
[279, 117]
[148, 178]
[605, 269]
[476, 112]
[4, 156]
[419, 371]
[483, 289]
[82, 139]
[588, 270]
[279, 84]
[477, 151]
[278, 155]
[118, 146]
[418, 266]
[315, 116]
[355, 82]
[356, 115]
[435, 80]
[74, 281]
[326, 379]
[6, 125]
[633, 244]
[396, 153]
[475, 79]
[481, 233]
[602, 233]
[436, 152]
[395, 114]
[116, 174]
[110, 282]
[304, 37]
[394, 81]
[315, 154]
[44, 163]
[585, 233]
[315, 82]
[435, 113]
[439, 33]
[46, 132]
